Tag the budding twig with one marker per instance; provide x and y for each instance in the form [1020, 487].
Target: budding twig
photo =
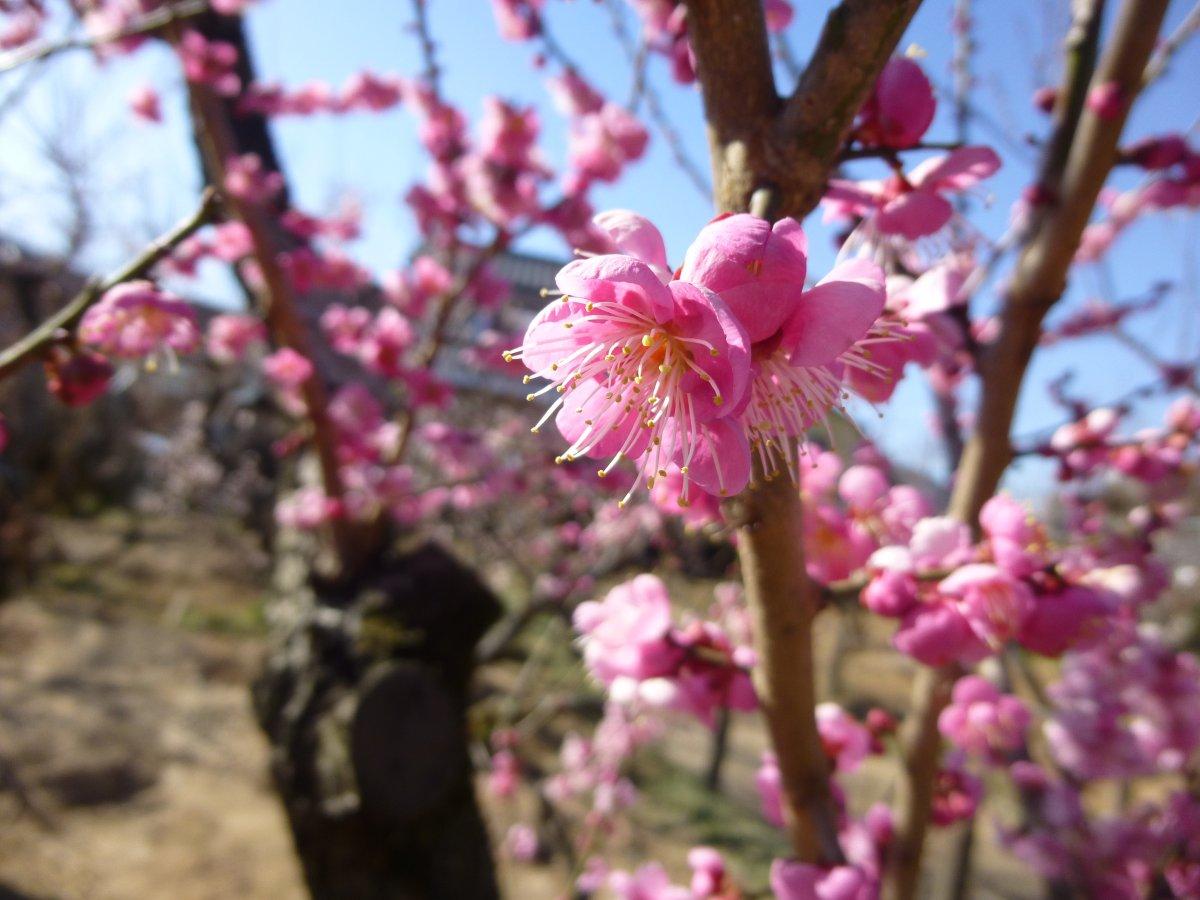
[147, 24]
[51, 331]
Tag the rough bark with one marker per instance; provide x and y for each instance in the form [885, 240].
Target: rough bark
[364, 701]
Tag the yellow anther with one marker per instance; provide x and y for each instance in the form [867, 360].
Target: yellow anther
[647, 340]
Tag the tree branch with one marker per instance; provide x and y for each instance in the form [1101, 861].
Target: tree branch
[1041, 272]
[783, 602]
[1077, 162]
[147, 24]
[733, 65]
[49, 332]
[858, 38]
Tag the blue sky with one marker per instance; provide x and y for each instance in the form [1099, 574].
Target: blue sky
[141, 178]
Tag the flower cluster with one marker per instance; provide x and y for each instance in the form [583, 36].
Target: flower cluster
[632, 647]
[702, 374]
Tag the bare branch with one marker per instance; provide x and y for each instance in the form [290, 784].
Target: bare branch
[733, 64]
[50, 331]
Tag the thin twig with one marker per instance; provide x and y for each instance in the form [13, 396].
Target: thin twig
[654, 108]
[1167, 49]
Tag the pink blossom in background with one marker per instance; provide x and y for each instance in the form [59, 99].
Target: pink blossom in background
[995, 604]
[913, 206]
[573, 95]
[20, 28]
[232, 7]
[940, 542]
[708, 872]
[136, 319]
[76, 376]
[779, 14]
[521, 843]
[847, 743]
[792, 880]
[505, 776]
[144, 104]
[900, 108]
[232, 241]
[1063, 618]
[982, 721]
[835, 545]
[1160, 152]
[210, 63]
[287, 368]
[601, 143]
[769, 782]
[370, 92]
[1017, 540]
[626, 633]
[384, 342]
[230, 336]
[956, 794]
[248, 179]
[863, 488]
[1045, 98]
[1106, 100]
[937, 634]
[306, 508]
[517, 20]
[650, 882]
[890, 593]
[508, 134]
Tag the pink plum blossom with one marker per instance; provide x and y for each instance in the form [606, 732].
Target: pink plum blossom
[626, 633]
[287, 368]
[136, 319]
[803, 881]
[211, 63]
[900, 108]
[994, 603]
[847, 743]
[517, 20]
[937, 634]
[248, 179]
[650, 882]
[769, 782]
[144, 103]
[956, 794]
[982, 721]
[521, 843]
[644, 370]
[912, 206]
[76, 376]
[230, 336]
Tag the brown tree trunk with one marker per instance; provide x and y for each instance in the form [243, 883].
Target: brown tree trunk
[364, 693]
[364, 700]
